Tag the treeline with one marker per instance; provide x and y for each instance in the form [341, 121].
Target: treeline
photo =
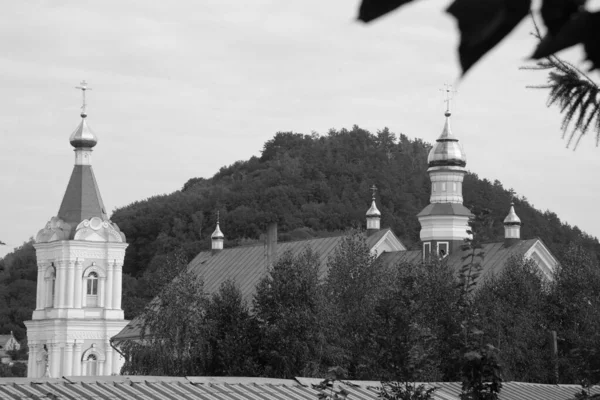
[421, 322]
[311, 185]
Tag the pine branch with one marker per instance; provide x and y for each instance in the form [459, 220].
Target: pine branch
[577, 95]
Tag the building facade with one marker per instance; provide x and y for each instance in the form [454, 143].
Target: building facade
[80, 255]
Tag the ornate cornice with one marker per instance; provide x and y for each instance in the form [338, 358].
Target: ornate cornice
[97, 230]
[56, 229]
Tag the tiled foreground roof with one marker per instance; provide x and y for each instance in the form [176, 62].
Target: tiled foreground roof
[232, 388]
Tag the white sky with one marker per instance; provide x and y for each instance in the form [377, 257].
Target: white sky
[182, 88]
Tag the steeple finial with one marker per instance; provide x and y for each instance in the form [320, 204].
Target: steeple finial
[448, 93]
[373, 191]
[83, 87]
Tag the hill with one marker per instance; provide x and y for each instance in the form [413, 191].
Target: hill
[312, 185]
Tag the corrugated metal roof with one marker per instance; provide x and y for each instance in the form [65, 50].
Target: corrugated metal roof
[495, 256]
[232, 388]
[397, 257]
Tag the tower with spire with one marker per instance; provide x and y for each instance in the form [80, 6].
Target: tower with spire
[444, 222]
[373, 215]
[80, 255]
[512, 227]
[217, 237]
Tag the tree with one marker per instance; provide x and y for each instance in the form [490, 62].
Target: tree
[352, 288]
[174, 336]
[512, 309]
[233, 334]
[574, 313]
[287, 305]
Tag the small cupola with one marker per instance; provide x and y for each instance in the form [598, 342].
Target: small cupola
[217, 237]
[512, 226]
[373, 215]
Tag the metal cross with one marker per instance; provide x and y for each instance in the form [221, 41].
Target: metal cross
[217, 216]
[449, 92]
[83, 87]
[373, 189]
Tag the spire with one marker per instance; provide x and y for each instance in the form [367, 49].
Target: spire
[82, 198]
[373, 214]
[217, 237]
[512, 226]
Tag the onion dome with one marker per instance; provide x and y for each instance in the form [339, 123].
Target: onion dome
[373, 211]
[83, 137]
[512, 218]
[447, 151]
[217, 234]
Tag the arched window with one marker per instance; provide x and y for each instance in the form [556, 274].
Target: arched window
[92, 290]
[92, 365]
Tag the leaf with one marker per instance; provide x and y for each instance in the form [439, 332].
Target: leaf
[557, 13]
[591, 42]
[572, 33]
[373, 9]
[483, 24]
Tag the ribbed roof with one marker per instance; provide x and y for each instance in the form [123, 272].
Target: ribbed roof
[495, 256]
[239, 388]
[445, 209]
[82, 198]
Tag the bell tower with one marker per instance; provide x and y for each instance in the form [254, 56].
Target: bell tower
[444, 222]
[80, 255]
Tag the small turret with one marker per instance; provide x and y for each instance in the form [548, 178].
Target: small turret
[217, 237]
[373, 215]
[512, 227]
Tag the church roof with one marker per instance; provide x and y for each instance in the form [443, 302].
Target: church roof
[239, 388]
[247, 265]
[495, 256]
[445, 209]
[82, 198]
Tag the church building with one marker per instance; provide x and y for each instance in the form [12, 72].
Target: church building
[444, 225]
[80, 255]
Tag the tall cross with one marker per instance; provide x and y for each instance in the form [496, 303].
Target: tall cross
[373, 189]
[83, 87]
[217, 216]
[448, 89]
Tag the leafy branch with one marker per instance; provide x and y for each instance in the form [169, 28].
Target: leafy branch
[577, 95]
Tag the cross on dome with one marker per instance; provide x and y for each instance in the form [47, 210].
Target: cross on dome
[83, 87]
[448, 89]
[373, 190]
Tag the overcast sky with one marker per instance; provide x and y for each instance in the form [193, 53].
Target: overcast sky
[182, 88]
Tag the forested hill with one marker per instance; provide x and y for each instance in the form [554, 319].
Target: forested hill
[311, 185]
